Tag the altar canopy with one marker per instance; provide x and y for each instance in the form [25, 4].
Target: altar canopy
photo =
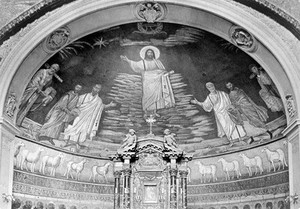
[150, 175]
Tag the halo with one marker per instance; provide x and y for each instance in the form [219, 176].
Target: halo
[155, 50]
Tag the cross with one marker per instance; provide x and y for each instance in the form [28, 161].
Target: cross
[151, 120]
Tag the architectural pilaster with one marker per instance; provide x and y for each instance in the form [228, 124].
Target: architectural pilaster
[292, 132]
[7, 136]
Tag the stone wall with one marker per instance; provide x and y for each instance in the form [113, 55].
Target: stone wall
[10, 9]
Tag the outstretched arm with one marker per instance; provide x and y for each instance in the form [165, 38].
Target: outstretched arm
[195, 101]
[137, 67]
[124, 58]
[111, 104]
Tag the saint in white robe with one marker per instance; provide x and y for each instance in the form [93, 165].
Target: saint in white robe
[219, 102]
[157, 90]
[86, 124]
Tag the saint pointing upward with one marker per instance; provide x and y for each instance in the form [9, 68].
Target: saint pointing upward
[157, 90]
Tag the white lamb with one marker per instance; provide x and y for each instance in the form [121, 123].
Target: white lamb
[230, 166]
[252, 162]
[275, 156]
[30, 157]
[51, 162]
[77, 167]
[17, 152]
[100, 171]
[207, 170]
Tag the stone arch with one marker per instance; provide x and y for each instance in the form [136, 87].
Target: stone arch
[269, 205]
[276, 55]
[246, 207]
[258, 206]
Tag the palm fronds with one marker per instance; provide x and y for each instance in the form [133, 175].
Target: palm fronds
[227, 45]
[73, 48]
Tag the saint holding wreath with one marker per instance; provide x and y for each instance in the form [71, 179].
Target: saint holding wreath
[157, 90]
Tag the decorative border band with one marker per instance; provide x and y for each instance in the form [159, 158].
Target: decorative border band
[24, 178]
[278, 190]
[45, 6]
[240, 185]
[29, 16]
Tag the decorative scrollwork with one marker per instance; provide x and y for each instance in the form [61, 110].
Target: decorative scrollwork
[290, 106]
[150, 11]
[243, 39]
[57, 39]
[11, 105]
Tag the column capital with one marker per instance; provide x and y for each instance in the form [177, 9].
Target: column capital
[173, 172]
[183, 173]
[127, 171]
[117, 174]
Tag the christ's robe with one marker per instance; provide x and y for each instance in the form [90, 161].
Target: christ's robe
[157, 90]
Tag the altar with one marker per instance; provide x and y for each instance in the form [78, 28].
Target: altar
[151, 173]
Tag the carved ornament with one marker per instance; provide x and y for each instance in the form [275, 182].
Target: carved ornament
[57, 39]
[150, 11]
[11, 105]
[290, 106]
[242, 39]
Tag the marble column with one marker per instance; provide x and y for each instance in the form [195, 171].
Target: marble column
[173, 188]
[292, 132]
[7, 136]
[117, 195]
[126, 197]
[183, 180]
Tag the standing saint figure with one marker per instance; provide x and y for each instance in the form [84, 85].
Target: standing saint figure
[219, 101]
[60, 115]
[85, 125]
[245, 112]
[157, 90]
[268, 92]
[37, 88]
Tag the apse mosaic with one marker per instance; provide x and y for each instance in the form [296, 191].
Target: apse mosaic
[139, 79]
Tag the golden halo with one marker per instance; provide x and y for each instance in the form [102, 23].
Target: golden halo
[155, 50]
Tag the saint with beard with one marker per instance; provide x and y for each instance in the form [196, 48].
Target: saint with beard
[157, 90]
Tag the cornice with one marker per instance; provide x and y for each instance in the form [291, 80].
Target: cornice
[294, 125]
[8, 126]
